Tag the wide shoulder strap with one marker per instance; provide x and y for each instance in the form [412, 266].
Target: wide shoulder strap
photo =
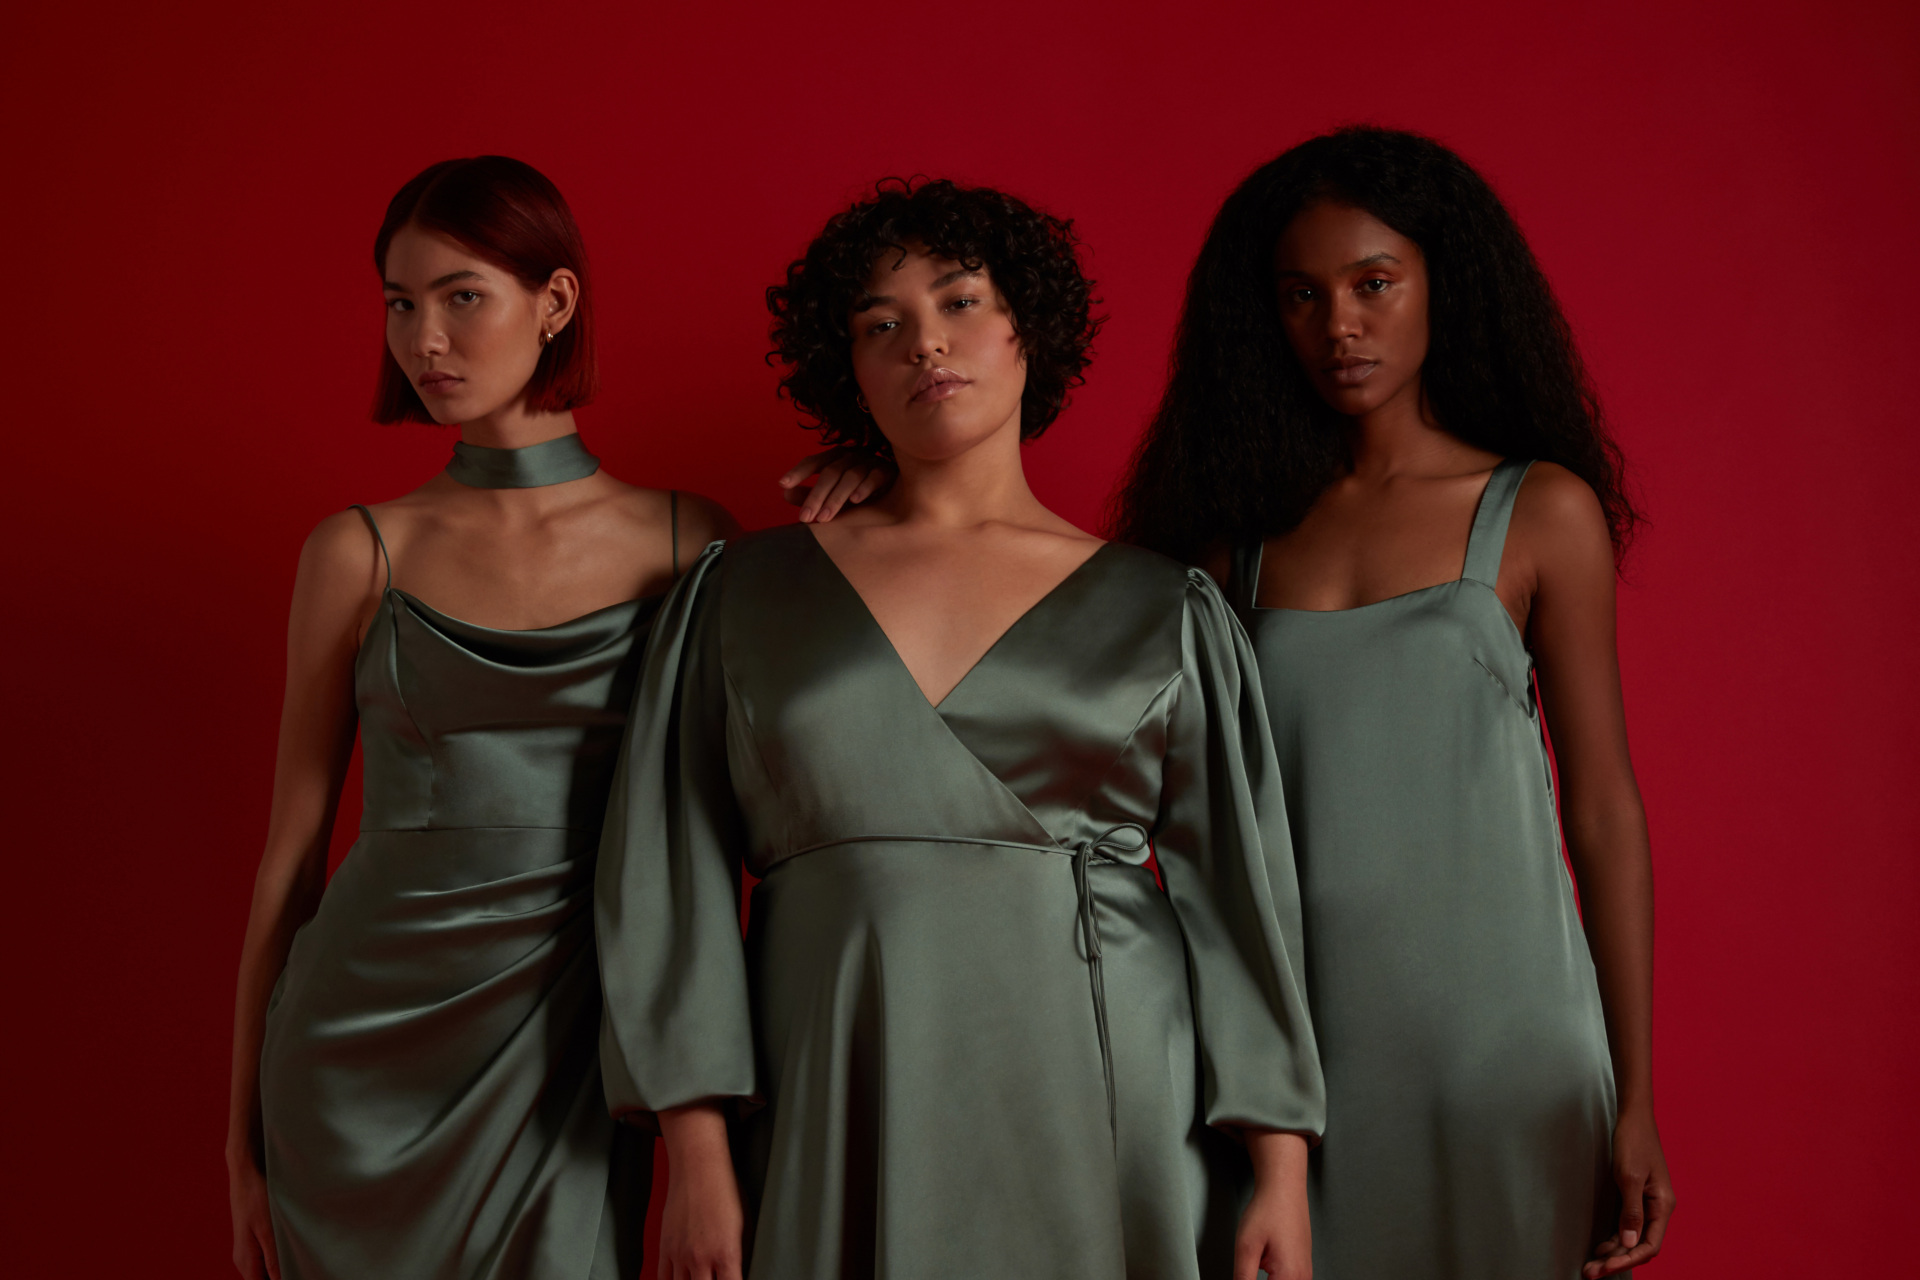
[375, 526]
[1488, 541]
[1243, 587]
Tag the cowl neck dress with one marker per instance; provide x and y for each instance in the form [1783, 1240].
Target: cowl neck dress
[973, 1035]
[1470, 1097]
[430, 1082]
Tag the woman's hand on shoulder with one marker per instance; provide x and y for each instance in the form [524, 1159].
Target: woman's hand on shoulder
[843, 477]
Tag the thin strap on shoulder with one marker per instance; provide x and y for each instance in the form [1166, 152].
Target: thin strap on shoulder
[673, 526]
[384, 554]
[1488, 541]
[1244, 589]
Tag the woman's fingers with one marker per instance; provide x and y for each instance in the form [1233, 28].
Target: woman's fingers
[1247, 1254]
[839, 492]
[796, 475]
[268, 1250]
[876, 476]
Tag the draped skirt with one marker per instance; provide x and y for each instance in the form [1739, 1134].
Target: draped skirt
[937, 1087]
[430, 1080]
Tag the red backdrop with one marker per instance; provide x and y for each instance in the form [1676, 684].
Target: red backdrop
[1724, 195]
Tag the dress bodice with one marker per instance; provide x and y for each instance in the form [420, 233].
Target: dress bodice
[470, 726]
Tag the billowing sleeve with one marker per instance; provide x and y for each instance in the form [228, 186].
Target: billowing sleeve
[676, 1027]
[1226, 858]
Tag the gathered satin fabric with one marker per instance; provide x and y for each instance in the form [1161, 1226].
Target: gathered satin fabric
[1470, 1096]
[430, 1081]
[973, 1036]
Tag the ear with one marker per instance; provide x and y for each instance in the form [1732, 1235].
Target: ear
[557, 300]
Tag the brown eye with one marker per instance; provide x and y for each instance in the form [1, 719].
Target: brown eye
[1375, 285]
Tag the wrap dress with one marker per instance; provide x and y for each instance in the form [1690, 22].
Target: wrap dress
[1470, 1096]
[430, 1078]
[972, 1033]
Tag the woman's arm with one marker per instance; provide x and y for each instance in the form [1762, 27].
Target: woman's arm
[701, 1225]
[1566, 566]
[334, 593]
[1275, 1235]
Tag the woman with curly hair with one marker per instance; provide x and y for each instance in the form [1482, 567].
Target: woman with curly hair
[1379, 433]
[973, 1034]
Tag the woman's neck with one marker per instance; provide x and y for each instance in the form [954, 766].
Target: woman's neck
[985, 484]
[512, 427]
[1401, 436]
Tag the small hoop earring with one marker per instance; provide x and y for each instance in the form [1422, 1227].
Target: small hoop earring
[860, 398]
[546, 339]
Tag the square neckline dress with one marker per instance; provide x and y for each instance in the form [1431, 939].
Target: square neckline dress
[969, 1033]
[1470, 1093]
[430, 1082]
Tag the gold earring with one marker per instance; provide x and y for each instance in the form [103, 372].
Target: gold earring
[546, 338]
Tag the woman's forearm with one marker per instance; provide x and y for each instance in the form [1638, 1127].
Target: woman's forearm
[1613, 865]
[284, 897]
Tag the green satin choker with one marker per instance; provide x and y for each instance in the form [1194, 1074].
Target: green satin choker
[553, 461]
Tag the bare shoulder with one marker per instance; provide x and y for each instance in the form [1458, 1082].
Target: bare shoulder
[702, 520]
[341, 551]
[341, 575]
[1558, 526]
[1553, 495]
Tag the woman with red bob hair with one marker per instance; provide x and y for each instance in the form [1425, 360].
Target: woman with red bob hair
[416, 1082]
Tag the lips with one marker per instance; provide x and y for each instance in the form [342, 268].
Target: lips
[437, 383]
[937, 383]
[1350, 371]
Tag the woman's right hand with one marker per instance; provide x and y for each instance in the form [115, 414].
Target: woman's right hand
[254, 1256]
[845, 477]
[702, 1225]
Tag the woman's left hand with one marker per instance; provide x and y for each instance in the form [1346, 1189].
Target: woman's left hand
[845, 477]
[1646, 1197]
[1275, 1233]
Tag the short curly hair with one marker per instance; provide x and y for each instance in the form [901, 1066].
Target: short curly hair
[1031, 256]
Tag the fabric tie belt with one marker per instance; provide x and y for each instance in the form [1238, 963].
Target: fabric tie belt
[1121, 838]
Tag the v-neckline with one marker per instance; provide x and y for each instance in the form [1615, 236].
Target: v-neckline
[900, 662]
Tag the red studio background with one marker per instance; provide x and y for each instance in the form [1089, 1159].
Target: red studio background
[1724, 194]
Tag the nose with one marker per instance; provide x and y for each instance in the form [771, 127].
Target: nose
[429, 337]
[929, 341]
[1343, 316]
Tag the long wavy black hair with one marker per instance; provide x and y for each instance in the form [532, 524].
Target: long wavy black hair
[1032, 257]
[1242, 445]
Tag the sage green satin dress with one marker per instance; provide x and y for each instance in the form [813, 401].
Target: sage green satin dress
[1470, 1097]
[976, 1037]
[430, 1079]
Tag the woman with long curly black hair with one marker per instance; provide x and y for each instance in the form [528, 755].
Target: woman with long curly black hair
[944, 730]
[1378, 431]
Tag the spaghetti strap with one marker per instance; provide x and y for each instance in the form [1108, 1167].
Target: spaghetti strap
[1244, 589]
[673, 525]
[1488, 541]
[384, 554]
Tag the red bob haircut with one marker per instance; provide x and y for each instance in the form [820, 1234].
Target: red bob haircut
[505, 211]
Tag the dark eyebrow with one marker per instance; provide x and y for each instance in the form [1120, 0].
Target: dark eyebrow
[1371, 260]
[868, 301]
[449, 278]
